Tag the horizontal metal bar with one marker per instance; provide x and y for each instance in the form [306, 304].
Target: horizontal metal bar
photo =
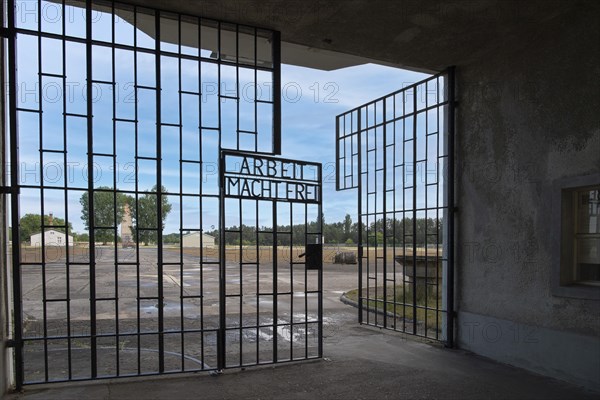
[53, 151]
[8, 189]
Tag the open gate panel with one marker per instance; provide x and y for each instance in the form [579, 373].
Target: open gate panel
[397, 151]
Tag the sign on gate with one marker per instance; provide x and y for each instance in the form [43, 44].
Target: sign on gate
[266, 178]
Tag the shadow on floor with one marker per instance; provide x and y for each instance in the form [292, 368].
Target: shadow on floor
[360, 363]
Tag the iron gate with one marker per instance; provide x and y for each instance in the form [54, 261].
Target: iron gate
[398, 152]
[120, 266]
[271, 270]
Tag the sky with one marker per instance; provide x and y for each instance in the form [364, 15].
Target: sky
[310, 101]
[308, 126]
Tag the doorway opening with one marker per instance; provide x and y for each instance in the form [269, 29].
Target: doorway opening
[129, 256]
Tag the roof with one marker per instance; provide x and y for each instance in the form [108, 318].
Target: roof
[197, 233]
[425, 35]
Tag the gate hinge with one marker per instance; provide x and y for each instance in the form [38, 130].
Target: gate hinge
[11, 343]
[8, 190]
[7, 33]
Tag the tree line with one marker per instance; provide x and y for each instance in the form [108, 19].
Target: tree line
[429, 231]
[145, 225]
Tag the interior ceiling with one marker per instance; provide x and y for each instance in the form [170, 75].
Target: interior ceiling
[424, 35]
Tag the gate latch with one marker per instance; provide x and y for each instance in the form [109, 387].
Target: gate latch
[314, 256]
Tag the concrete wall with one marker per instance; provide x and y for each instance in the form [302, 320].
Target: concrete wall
[528, 116]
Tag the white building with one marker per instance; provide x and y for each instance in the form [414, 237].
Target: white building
[51, 238]
[193, 240]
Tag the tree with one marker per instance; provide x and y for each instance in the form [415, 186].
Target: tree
[145, 216]
[171, 238]
[104, 212]
[84, 237]
[31, 224]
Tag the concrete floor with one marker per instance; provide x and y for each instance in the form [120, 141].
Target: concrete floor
[361, 363]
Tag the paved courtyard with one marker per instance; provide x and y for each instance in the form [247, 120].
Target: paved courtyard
[360, 362]
[191, 305]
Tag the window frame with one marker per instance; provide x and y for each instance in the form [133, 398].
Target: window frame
[563, 240]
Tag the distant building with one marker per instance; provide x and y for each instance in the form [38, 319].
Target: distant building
[193, 240]
[51, 238]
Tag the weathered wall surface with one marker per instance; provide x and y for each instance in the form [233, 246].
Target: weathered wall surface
[528, 115]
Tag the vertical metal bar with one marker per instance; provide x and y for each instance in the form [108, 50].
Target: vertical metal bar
[42, 204]
[222, 310]
[345, 157]
[137, 188]
[306, 282]
[114, 193]
[200, 198]
[221, 344]
[414, 210]
[437, 212]
[450, 205]
[320, 271]
[14, 196]
[237, 120]
[240, 264]
[360, 227]
[90, 177]
[161, 322]
[367, 230]
[257, 283]
[394, 208]
[385, 240]
[180, 104]
[352, 154]
[291, 279]
[275, 322]
[376, 244]
[66, 202]
[237, 88]
[337, 154]
[255, 90]
[425, 137]
[374, 208]
[276, 57]
[404, 211]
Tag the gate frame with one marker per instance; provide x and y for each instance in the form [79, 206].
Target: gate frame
[222, 347]
[355, 176]
[8, 33]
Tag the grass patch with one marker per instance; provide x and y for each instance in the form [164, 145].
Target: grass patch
[400, 303]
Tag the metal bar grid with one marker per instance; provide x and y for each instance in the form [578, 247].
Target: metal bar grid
[104, 309]
[397, 150]
[277, 318]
